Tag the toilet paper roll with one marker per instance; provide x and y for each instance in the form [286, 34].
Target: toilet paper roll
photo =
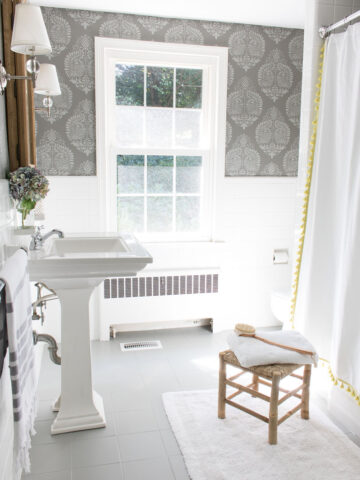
[281, 256]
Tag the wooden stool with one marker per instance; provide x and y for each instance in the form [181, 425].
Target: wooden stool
[273, 374]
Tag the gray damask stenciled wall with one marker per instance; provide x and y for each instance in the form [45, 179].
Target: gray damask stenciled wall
[264, 81]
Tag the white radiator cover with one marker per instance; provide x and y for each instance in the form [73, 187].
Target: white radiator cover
[165, 298]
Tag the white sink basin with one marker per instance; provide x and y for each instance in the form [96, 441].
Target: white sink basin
[73, 266]
[88, 256]
[84, 246]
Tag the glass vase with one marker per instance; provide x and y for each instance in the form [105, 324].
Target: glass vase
[25, 220]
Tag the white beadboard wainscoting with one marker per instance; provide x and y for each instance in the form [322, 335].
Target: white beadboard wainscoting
[253, 217]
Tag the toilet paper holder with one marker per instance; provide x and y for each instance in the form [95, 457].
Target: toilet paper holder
[280, 256]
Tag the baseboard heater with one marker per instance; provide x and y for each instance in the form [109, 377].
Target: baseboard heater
[143, 327]
[162, 301]
[161, 285]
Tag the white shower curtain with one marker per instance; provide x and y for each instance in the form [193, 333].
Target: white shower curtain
[328, 304]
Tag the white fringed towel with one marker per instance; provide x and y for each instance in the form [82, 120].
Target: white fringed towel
[21, 356]
[251, 352]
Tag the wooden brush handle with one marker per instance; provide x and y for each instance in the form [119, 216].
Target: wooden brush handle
[286, 347]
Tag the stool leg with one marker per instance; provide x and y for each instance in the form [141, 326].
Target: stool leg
[273, 410]
[222, 387]
[255, 383]
[305, 395]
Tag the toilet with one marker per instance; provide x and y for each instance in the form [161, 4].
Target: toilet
[280, 305]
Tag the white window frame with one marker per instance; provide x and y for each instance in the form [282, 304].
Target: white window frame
[213, 61]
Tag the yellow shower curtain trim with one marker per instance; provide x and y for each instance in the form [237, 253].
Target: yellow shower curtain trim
[310, 164]
[339, 382]
[299, 251]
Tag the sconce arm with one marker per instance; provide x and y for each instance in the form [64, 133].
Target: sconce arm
[17, 77]
[5, 77]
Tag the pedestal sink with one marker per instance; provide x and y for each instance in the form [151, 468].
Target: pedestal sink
[73, 266]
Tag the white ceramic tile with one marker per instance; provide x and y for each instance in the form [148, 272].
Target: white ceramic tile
[159, 386]
[139, 446]
[103, 472]
[346, 3]
[179, 468]
[342, 12]
[61, 187]
[135, 421]
[48, 392]
[326, 16]
[43, 434]
[99, 451]
[128, 399]
[117, 378]
[53, 457]
[44, 411]
[160, 414]
[170, 443]
[154, 469]
[63, 475]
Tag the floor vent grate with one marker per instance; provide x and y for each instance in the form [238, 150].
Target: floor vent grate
[141, 345]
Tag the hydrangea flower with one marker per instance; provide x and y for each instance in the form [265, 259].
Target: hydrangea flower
[27, 186]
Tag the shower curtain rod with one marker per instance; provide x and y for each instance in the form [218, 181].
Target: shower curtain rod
[324, 31]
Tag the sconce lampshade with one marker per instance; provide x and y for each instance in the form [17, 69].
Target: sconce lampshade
[29, 32]
[47, 82]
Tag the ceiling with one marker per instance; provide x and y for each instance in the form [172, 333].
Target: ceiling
[279, 13]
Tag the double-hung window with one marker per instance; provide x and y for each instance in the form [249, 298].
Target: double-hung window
[160, 120]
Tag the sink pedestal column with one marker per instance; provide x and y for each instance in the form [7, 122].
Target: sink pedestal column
[80, 407]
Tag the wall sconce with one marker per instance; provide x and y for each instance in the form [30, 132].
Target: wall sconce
[29, 37]
[47, 83]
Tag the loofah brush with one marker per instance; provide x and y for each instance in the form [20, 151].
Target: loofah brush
[244, 329]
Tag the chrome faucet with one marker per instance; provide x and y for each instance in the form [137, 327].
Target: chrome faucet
[37, 240]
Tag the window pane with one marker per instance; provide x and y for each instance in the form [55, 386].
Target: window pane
[160, 174]
[159, 91]
[159, 214]
[187, 128]
[188, 77]
[129, 84]
[129, 126]
[188, 88]
[130, 174]
[188, 174]
[130, 214]
[187, 214]
[159, 127]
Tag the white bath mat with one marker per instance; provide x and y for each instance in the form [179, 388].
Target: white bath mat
[236, 448]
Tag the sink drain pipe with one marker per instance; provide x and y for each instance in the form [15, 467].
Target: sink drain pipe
[41, 301]
[52, 345]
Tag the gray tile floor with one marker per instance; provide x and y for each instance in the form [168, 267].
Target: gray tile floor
[137, 443]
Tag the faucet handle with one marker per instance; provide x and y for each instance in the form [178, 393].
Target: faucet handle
[36, 239]
[38, 228]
